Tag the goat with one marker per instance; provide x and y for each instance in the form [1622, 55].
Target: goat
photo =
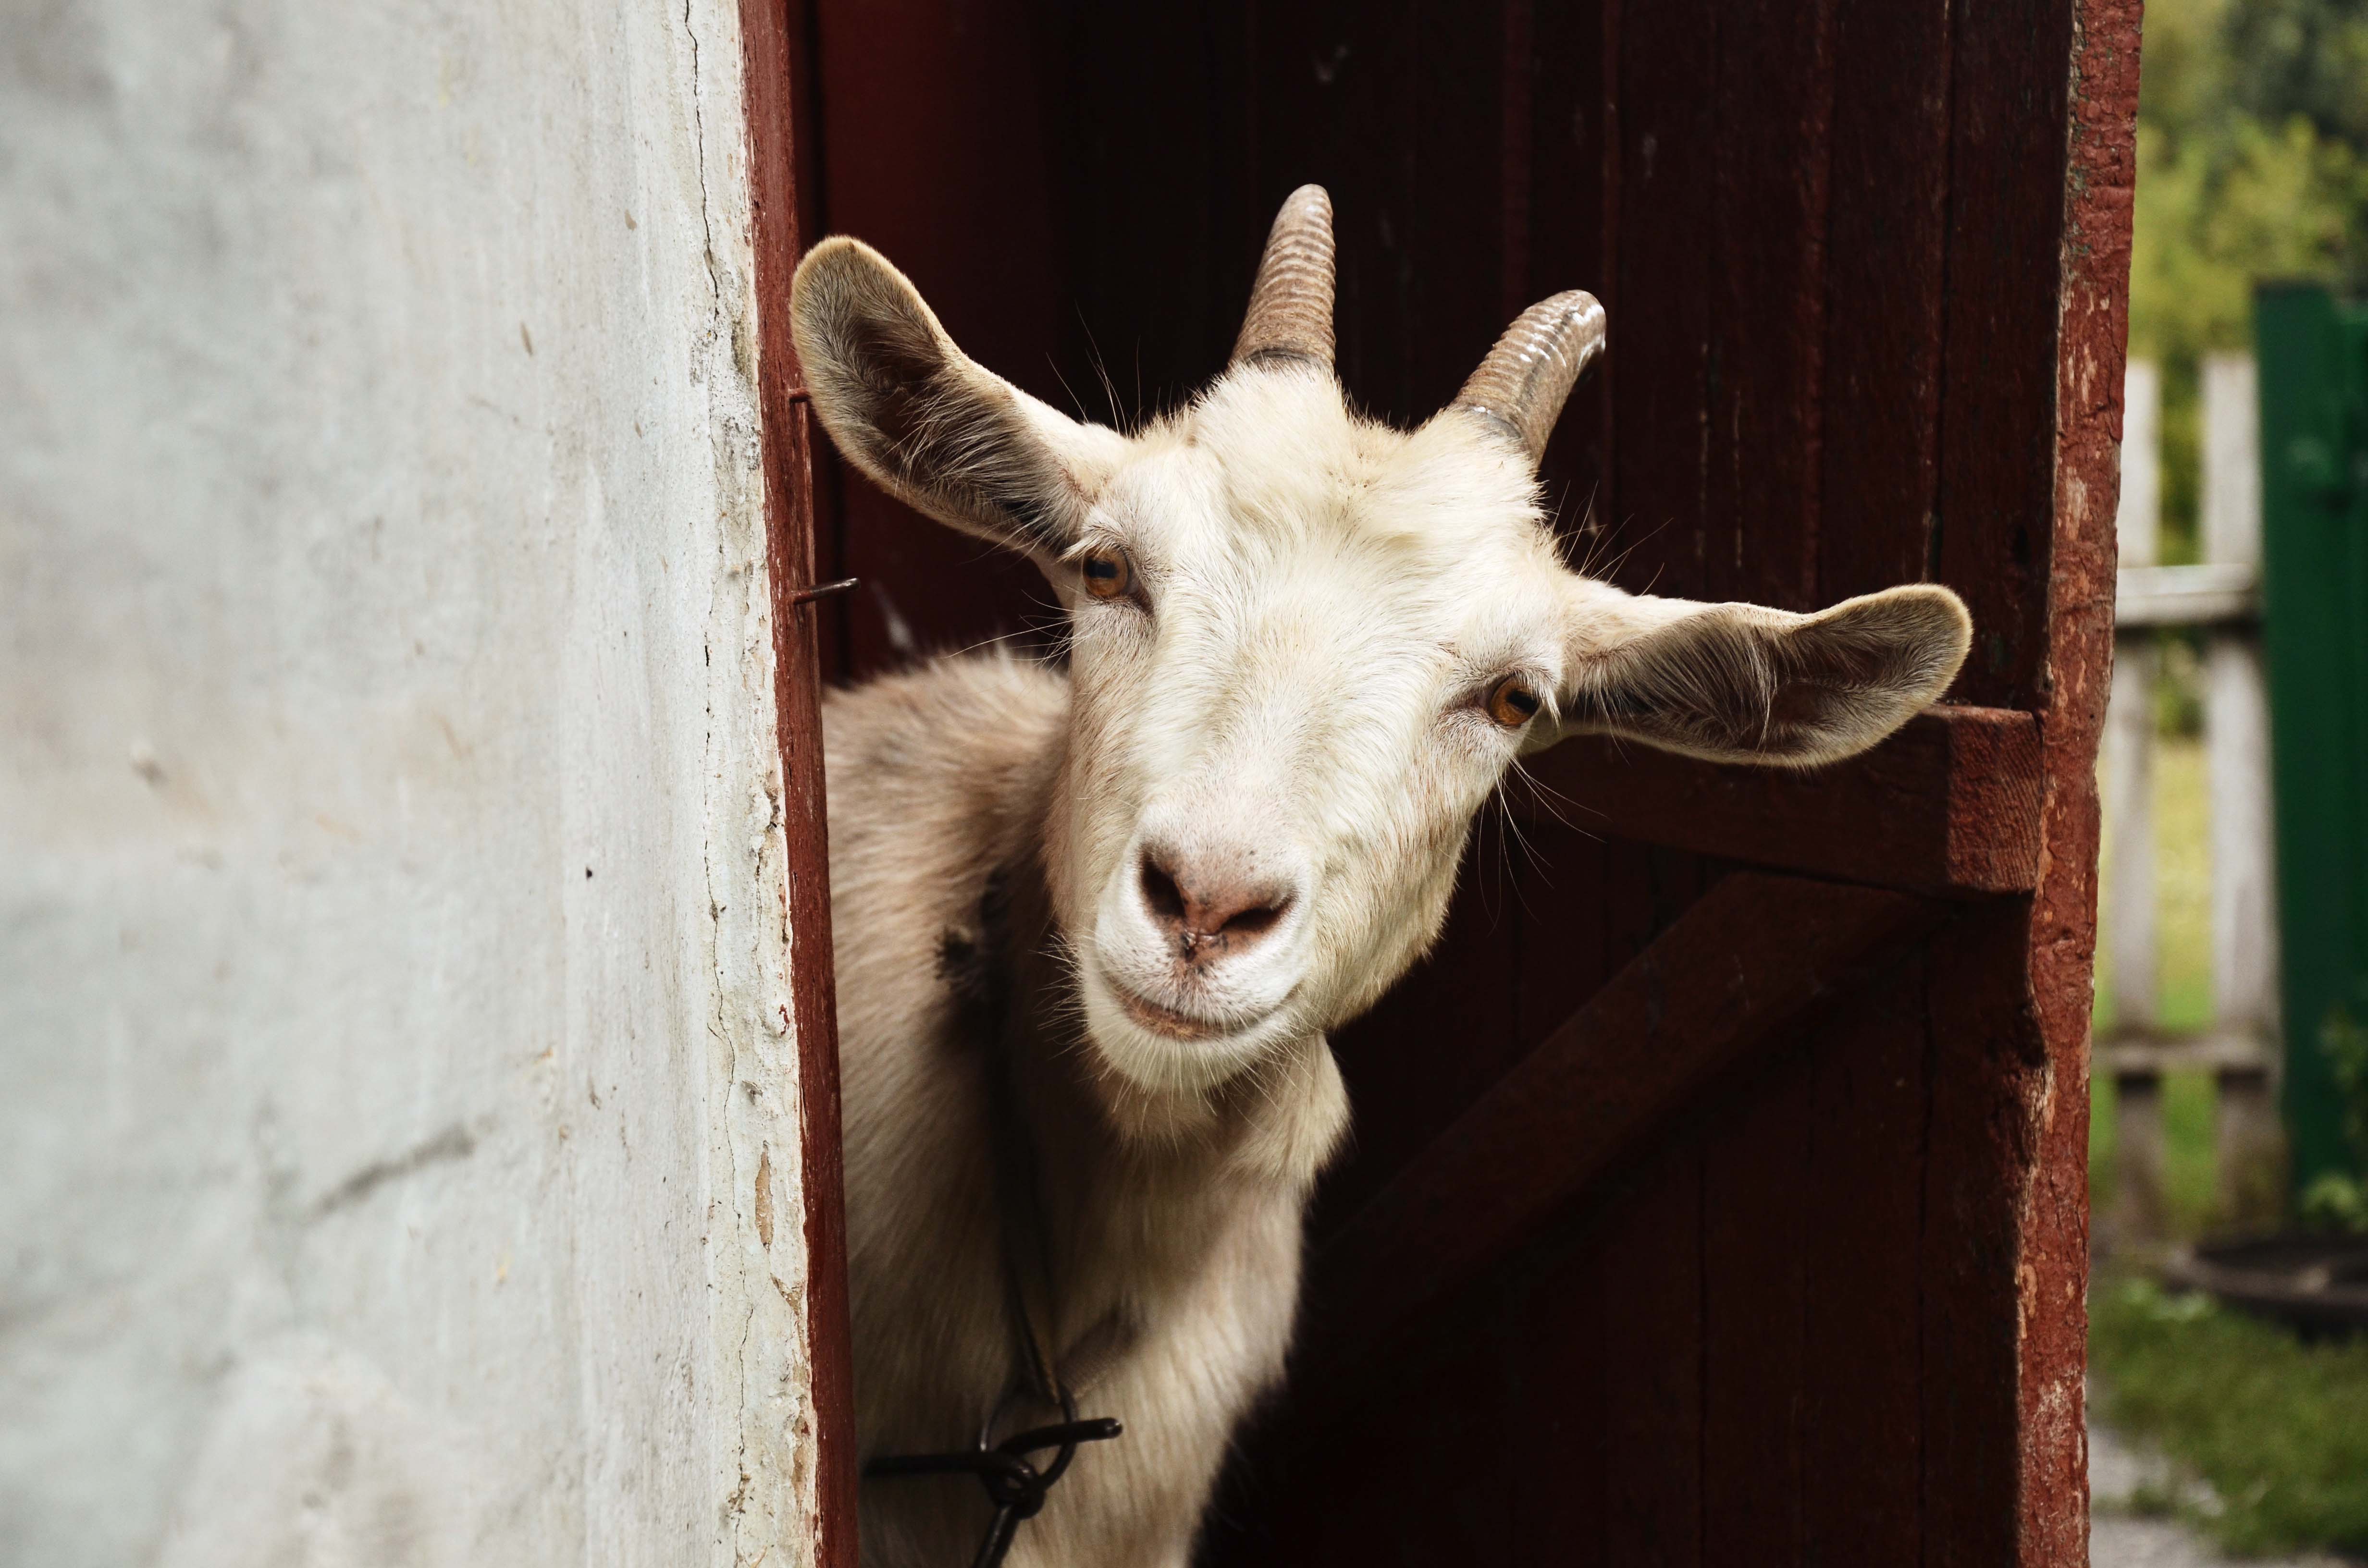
[1126, 900]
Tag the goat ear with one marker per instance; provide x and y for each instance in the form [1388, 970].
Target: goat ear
[1740, 683]
[932, 427]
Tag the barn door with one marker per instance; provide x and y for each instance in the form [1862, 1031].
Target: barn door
[1718, 1192]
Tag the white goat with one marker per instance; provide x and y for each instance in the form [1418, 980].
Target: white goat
[1109, 912]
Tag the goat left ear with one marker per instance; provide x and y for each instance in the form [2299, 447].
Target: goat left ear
[1742, 683]
[931, 426]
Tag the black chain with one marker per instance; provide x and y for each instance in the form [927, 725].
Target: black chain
[1013, 1484]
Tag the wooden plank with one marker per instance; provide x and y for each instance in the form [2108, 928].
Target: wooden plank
[1558, 897]
[2154, 1052]
[1884, 287]
[933, 151]
[2129, 896]
[1652, 1373]
[1988, 1070]
[1664, 192]
[1441, 1416]
[2232, 460]
[1772, 95]
[1445, 1034]
[1563, 240]
[772, 72]
[1396, 109]
[1557, 1447]
[1436, 263]
[1949, 805]
[2137, 518]
[2250, 1140]
[1756, 1225]
[1149, 131]
[2094, 48]
[2236, 712]
[1999, 365]
[1863, 1351]
[1751, 956]
[2205, 595]
[2139, 1216]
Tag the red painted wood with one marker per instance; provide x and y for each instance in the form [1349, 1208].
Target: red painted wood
[932, 151]
[1862, 1354]
[1772, 93]
[1662, 294]
[1997, 425]
[1150, 120]
[1396, 109]
[1555, 1448]
[1756, 1220]
[1987, 1066]
[1886, 231]
[1949, 805]
[1558, 904]
[1634, 907]
[2053, 1273]
[1561, 236]
[1447, 1034]
[1641, 1049]
[1652, 1373]
[772, 72]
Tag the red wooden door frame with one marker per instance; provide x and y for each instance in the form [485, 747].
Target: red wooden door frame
[778, 93]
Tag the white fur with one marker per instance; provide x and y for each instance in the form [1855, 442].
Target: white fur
[1297, 702]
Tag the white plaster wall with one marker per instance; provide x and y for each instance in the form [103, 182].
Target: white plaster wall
[392, 950]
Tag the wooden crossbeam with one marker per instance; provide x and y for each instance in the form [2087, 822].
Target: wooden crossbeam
[2211, 594]
[2153, 1053]
[1753, 955]
[1948, 806]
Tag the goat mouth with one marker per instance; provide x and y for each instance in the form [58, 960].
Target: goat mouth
[1165, 1021]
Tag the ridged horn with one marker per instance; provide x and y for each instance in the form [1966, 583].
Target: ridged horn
[1523, 381]
[1291, 304]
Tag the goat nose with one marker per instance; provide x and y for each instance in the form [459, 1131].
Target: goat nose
[1209, 913]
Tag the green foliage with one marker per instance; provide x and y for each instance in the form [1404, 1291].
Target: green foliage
[2302, 57]
[2279, 1428]
[2336, 1201]
[2345, 1040]
[2333, 1201]
[2252, 165]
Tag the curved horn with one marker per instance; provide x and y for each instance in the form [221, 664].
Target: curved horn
[1291, 304]
[1521, 385]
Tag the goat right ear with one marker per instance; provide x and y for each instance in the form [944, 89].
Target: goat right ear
[930, 425]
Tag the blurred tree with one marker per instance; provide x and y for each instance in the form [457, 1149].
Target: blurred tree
[2252, 163]
[2302, 57]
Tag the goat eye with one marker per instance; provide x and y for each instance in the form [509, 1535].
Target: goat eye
[1108, 574]
[1512, 702]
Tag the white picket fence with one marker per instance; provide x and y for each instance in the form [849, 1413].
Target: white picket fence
[2239, 1046]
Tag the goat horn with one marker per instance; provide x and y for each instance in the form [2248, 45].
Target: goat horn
[1521, 385]
[1291, 304]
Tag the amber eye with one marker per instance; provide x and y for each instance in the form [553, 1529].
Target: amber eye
[1108, 574]
[1512, 702]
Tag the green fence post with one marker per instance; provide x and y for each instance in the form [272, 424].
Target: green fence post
[2312, 358]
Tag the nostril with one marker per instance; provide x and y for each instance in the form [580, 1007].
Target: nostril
[1161, 893]
[1255, 921]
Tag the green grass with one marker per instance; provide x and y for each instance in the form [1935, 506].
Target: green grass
[2279, 1428]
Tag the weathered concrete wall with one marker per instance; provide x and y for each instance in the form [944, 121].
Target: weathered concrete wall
[392, 952]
